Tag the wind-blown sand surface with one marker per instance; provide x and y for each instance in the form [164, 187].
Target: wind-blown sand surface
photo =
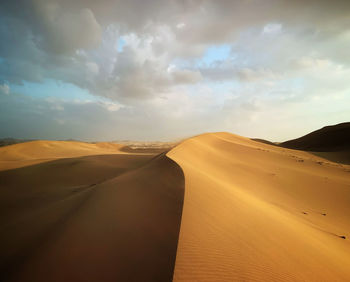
[74, 211]
[256, 212]
[112, 217]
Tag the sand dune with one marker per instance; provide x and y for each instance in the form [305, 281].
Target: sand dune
[330, 142]
[256, 212]
[36, 199]
[250, 212]
[327, 139]
[126, 230]
[33, 152]
[112, 217]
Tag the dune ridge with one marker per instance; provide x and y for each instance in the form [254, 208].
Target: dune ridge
[256, 212]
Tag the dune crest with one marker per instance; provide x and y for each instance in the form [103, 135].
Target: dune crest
[256, 212]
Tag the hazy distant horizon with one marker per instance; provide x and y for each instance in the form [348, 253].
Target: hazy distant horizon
[174, 140]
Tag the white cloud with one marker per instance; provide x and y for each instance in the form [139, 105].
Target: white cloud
[180, 25]
[92, 67]
[111, 106]
[57, 108]
[4, 89]
[272, 28]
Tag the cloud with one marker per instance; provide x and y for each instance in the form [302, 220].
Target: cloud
[76, 41]
[282, 53]
[161, 119]
[185, 76]
[4, 89]
[272, 28]
[56, 28]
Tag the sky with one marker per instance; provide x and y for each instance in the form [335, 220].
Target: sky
[169, 69]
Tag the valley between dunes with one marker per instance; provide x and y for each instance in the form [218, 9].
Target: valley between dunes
[216, 207]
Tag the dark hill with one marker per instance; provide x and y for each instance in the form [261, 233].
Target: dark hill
[327, 139]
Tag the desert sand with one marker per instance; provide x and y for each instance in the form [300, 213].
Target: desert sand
[217, 207]
[100, 217]
[257, 212]
[33, 152]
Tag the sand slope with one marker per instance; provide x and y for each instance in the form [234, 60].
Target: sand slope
[251, 212]
[111, 217]
[35, 200]
[256, 212]
[127, 230]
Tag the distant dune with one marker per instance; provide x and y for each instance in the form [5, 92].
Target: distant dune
[216, 207]
[330, 142]
[33, 152]
[147, 147]
[327, 139]
[11, 141]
